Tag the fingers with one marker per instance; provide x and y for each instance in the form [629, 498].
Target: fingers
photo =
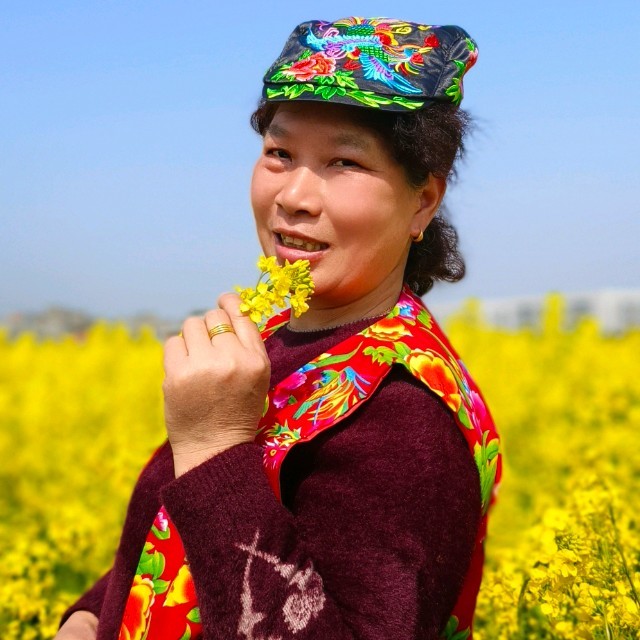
[218, 320]
[244, 327]
[195, 334]
[195, 339]
[175, 351]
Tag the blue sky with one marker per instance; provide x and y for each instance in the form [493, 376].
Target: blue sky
[126, 150]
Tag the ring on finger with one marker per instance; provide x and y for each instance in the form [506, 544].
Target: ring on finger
[217, 329]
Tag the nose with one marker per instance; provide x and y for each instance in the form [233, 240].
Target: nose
[300, 192]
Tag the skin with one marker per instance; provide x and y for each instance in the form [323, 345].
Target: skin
[82, 625]
[323, 178]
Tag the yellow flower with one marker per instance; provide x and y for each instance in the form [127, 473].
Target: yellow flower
[268, 265]
[298, 302]
[567, 403]
[276, 285]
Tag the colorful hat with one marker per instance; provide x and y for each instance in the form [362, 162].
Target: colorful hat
[372, 62]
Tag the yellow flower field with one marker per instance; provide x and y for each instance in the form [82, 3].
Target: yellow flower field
[78, 419]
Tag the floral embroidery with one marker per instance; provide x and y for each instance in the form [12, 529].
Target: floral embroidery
[302, 605]
[368, 45]
[431, 41]
[281, 439]
[182, 589]
[283, 395]
[314, 398]
[314, 65]
[456, 90]
[163, 522]
[390, 329]
[138, 609]
[453, 632]
[335, 393]
[435, 373]
[162, 603]
[485, 454]
[479, 413]
[410, 337]
[331, 386]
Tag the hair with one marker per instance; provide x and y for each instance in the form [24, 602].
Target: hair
[428, 142]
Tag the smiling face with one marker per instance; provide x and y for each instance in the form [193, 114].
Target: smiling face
[325, 188]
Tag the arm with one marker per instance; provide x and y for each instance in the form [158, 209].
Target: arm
[376, 543]
[104, 598]
[81, 619]
[81, 625]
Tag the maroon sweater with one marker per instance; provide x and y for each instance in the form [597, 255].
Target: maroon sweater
[372, 540]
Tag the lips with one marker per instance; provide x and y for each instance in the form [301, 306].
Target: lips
[300, 243]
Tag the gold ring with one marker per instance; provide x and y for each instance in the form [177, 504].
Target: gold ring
[220, 328]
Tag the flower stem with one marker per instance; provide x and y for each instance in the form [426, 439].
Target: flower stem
[620, 550]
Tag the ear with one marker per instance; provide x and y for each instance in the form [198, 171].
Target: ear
[431, 195]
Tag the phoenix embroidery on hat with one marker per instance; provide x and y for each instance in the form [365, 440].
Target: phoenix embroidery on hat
[373, 62]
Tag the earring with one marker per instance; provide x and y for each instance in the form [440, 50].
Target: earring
[419, 238]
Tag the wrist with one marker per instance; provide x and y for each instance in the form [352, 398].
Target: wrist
[80, 624]
[185, 459]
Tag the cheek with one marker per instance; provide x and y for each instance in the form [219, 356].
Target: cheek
[261, 196]
[261, 219]
[375, 221]
[256, 192]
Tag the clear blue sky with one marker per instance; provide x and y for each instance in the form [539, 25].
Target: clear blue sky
[126, 152]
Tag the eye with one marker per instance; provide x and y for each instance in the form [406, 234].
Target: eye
[276, 152]
[345, 162]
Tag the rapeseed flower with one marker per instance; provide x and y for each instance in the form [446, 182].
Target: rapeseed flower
[276, 286]
[563, 547]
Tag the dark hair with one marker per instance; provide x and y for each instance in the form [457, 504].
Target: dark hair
[424, 142]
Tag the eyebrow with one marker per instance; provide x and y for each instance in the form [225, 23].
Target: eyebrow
[351, 140]
[276, 130]
[341, 139]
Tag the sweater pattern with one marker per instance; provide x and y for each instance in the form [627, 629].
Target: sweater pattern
[162, 602]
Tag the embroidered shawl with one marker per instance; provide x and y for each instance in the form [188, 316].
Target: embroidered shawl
[162, 603]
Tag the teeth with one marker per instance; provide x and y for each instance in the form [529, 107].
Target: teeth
[299, 243]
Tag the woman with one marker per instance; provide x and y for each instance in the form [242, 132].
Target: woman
[359, 510]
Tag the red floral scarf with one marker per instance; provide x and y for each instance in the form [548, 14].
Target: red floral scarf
[162, 603]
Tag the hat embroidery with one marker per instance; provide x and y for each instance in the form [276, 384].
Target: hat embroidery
[456, 91]
[369, 44]
[383, 63]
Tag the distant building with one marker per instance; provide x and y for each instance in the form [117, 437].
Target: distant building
[58, 321]
[51, 323]
[162, 327]
[614, 310]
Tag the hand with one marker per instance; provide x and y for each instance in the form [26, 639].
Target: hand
[214, 389]
[81, 625]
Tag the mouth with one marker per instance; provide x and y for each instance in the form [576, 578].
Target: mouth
[302, 244]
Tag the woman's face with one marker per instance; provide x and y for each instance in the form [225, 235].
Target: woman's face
[326, 189]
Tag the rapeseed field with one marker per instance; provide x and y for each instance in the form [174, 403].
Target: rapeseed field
[80, 417]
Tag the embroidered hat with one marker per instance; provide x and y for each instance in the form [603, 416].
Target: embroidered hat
[373, 62]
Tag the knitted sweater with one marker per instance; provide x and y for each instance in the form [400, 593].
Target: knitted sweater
[372, 539]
